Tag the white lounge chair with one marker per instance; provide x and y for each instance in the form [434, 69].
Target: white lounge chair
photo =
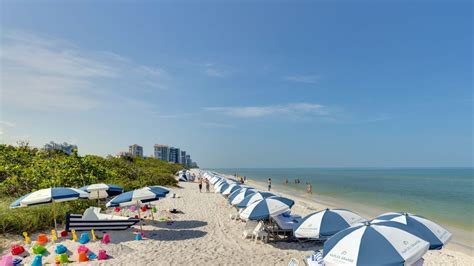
[260, 233]
[249, 228]
[293, 262]
[93, 219]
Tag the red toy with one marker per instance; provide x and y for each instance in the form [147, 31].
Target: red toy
[64, 233]
[17, 250]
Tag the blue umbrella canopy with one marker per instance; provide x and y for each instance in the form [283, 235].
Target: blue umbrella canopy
[142, 195]
[427, 230]
[251, 198]
[324, 224]
[222, 187]
[237, 196]
[287, 201]
[101, 191]
[373, 244]
[231, 188]
[49, 195]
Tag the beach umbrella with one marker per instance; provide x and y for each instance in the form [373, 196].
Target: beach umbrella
[425, 229]
[50, 195]
[251, 198]
[137, 197]
[236, 198]
[222, 187]
[287, 201]
[230, 189]
[326, 223]
[215, 179]
[219, 183]
[263, 209]
[234, 193]
[373, 244]
[102, 191]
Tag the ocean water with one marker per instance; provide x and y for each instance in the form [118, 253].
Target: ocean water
[445, 195]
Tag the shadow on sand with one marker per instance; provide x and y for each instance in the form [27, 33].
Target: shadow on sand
[300, 246]
[181, 224]
[173, 235]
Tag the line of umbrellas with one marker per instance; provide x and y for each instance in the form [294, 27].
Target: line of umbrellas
[95, 191]
[389, 239]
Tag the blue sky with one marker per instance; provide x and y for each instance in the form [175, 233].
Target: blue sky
[242, 84]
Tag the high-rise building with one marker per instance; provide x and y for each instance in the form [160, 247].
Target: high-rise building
[183, 157]
[136, 150]
[174, 155]
[188, 161]
[161, 152]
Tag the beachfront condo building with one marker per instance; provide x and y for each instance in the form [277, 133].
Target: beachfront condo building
[188, 160]
[174, 155]
[183, 157]
[136, 150]
[64, 147]
[161, 152]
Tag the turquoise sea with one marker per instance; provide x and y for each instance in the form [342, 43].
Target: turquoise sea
[445, 195]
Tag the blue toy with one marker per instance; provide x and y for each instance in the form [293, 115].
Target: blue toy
[38, 261]
[138, 237]
[85, 238]
[60, 249]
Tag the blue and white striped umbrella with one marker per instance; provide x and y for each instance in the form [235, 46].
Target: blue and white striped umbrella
[231, 188]
[263, 209]
[237, 196]
[138, 196]
[251, 198]
[287, 201]
[220, 183]
[373, 244]
[214, 180]
[222, 187]
[102, 191]
[427, 230]
[49, 195]
[324, 224]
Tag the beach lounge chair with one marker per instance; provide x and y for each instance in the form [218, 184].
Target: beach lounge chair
[281, 226]
[316, 259]
[93, 219]
[260, 233]
[249, 228]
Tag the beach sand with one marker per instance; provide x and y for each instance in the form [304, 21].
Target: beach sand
[203, 234]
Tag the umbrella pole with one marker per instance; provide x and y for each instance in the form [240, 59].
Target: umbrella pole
[98, 200]
[141, 223]
[54, 216]
[152, 218]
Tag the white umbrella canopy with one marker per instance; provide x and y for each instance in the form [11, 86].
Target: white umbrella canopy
[102, 191]
[50, 195]
[263, 209]
[373, 244]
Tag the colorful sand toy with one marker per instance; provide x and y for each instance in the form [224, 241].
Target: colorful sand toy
[82, 248]
[106, 239]
[63, 233]
[7, 260]
[62, 259]
[85, 238]
[38, 249]
[83, 257]
[60, 249]
[42, 239]
[17, 261]
[102, 255]
[54, 237]
[17, 250]
[37, 261]
[138, 237]
[27, 238]
[94, 237]
[74, 236]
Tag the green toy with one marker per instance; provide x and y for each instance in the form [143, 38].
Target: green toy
[38, 249]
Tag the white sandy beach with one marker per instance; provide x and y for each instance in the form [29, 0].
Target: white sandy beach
[204, 235]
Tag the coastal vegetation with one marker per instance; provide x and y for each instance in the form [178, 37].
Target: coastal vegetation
[24, 169]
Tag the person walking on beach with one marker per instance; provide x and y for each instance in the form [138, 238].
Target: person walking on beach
[207, 185]
[245, 179]
[286, 181]
[269, 184]
[309, 188]
[200, 184]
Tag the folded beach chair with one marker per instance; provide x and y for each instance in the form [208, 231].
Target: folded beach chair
[249, 228]
[260, 233]
[93, 219]
[316, 259]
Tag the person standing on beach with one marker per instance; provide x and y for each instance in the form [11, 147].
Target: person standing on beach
[269, 184]
[286, 181]
[245, 179]
[207, 185]
[200, 184]
[309, 188]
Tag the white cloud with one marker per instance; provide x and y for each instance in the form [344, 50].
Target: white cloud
[7, 123]
[293, 109]
[216, 125]
[212, 70]
[312, 79]
[44, 73]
